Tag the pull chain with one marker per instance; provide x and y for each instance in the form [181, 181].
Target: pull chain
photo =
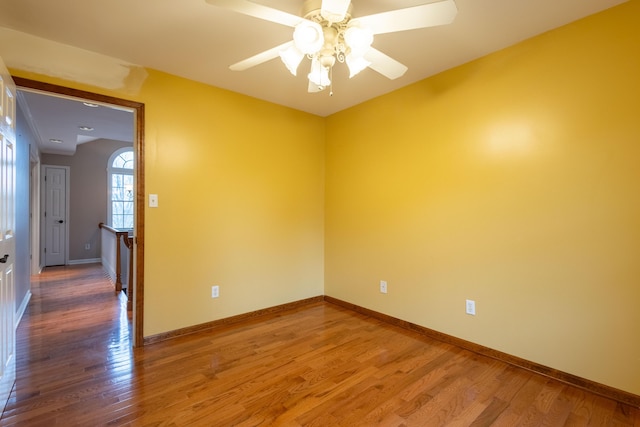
[331, 81]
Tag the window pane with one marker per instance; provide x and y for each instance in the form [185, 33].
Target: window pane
[128, 157]
[124, 160]
[128, 186]
[118, 221]
[117, 193]
[117, 190]
[118, 162]
[117, 208]
[128, 208]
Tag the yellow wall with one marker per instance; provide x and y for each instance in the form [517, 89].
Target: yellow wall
[241, 197]
[241, 183]
[514, 181]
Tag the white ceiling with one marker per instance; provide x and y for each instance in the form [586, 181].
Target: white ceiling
[55, 121]
[193, 39]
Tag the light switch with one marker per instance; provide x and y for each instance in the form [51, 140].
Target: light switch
[153, 200]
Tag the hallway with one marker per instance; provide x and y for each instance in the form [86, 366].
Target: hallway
[72, 340]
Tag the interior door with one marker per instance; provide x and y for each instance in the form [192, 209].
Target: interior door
[55, 215]
[7, 234]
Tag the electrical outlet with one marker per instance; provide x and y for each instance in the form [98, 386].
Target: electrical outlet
[471, 307]
[215, 291]
[87, 246]
[383, 286]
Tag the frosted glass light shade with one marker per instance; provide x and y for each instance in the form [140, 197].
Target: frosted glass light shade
[308, 37]
[291, 58]
[319, 75]
[358, 39]
[356, 64]
[314, 88]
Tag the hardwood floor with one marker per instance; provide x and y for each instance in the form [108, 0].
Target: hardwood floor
[317, 365]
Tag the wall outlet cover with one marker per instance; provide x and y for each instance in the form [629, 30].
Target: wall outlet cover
[383, 286]
[471, 307]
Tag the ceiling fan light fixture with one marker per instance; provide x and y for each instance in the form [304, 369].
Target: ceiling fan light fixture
[319, 75]
[334, 10]
[326, 33]
[314, 88]
[358, 39]
[356, 64]
[292, 57]
[308, 37]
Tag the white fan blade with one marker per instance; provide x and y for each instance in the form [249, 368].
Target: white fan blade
[258, 11]
[411, 18]
[384, 64]
[258, 59]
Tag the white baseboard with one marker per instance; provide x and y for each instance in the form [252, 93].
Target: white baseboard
[84, 261]
[22, 308]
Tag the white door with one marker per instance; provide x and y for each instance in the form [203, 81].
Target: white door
[55, 215]
[7, 236]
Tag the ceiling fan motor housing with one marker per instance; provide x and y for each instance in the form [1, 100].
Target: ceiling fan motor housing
[311, 11]
[334, 46]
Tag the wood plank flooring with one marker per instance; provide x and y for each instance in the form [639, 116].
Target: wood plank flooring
[317, 365]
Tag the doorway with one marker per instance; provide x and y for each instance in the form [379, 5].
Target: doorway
[138, 146]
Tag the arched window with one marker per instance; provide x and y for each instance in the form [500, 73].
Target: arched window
[121, 190]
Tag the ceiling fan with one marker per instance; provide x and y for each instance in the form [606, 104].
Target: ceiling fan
[327, 32]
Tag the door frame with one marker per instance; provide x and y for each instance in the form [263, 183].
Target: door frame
[34, 210]
[138, 147]
[43, 204]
